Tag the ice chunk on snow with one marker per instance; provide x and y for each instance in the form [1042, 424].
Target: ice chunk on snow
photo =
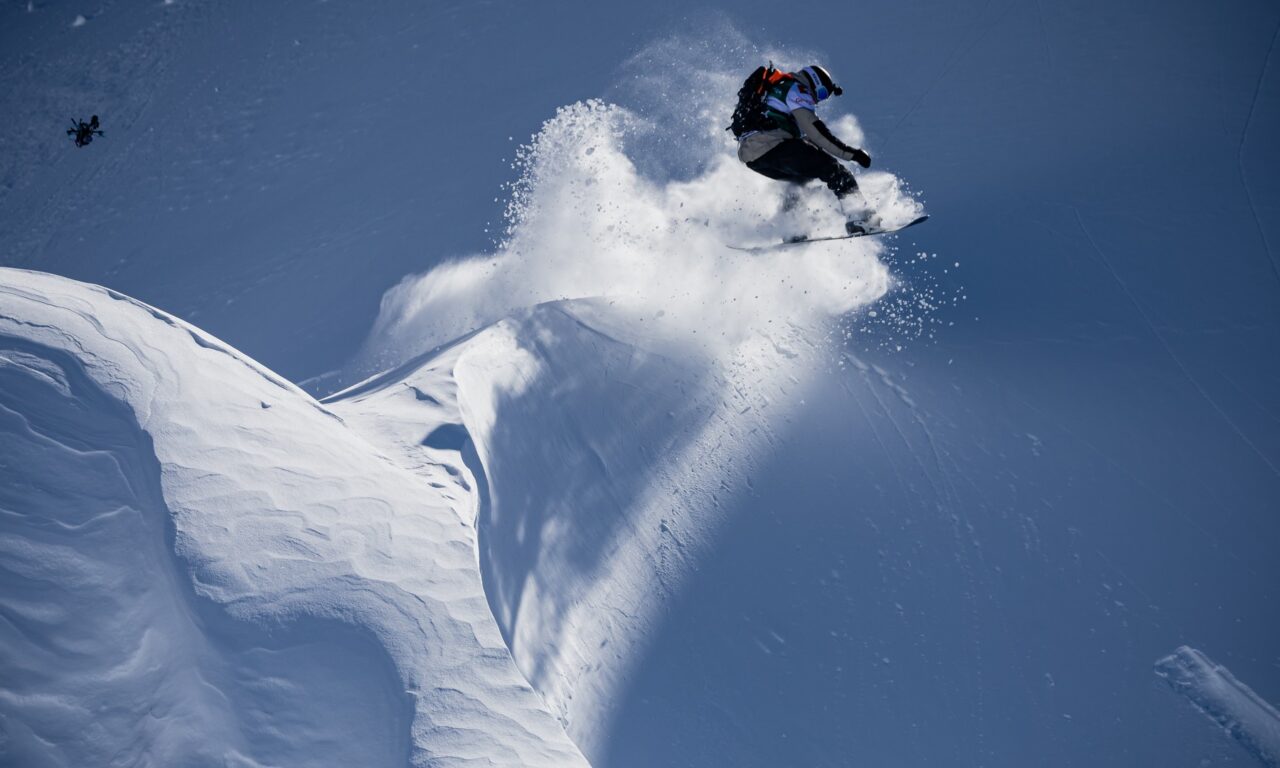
[1222, 698]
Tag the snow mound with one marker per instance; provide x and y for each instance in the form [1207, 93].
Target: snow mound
[597, 466]
[1240, 712]
[326, 608]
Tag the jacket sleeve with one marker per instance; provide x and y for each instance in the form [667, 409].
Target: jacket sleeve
[816, 132]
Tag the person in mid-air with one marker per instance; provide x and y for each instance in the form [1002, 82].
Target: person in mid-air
[84, 132]
[780, 136]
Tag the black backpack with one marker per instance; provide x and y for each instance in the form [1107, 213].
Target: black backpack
[751, 114]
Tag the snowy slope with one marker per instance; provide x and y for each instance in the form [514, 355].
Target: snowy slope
[665, 549]
[337, 613]
[736, 502]
[964, 552]
[598, 467]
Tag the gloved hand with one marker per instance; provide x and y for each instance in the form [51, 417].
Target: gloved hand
[861, 158]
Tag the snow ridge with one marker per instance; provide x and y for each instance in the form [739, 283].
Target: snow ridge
[599, 470]
[283, 516]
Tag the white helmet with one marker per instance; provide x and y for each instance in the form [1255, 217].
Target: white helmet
[819, 81]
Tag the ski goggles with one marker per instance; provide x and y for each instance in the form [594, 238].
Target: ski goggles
[823, 94]
[819, 79]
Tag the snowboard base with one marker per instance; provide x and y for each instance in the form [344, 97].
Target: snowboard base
[804, 240]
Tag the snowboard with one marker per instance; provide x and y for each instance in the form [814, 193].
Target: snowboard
[804, 240]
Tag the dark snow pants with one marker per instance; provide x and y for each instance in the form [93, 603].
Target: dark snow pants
[798, 161]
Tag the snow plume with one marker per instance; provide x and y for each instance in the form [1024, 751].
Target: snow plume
[636, 206]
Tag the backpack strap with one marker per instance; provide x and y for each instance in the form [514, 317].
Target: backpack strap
[780, 119]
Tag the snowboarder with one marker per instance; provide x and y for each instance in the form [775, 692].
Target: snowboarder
[780, 136]
[84, 132]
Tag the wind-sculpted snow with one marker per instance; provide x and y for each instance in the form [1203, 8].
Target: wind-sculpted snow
[326, 608]
[599, 467]
[1240, 712]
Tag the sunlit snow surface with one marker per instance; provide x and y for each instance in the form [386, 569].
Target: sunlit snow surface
[337, 615]
[725, 508]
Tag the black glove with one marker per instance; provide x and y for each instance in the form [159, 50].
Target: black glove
[861, 158]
